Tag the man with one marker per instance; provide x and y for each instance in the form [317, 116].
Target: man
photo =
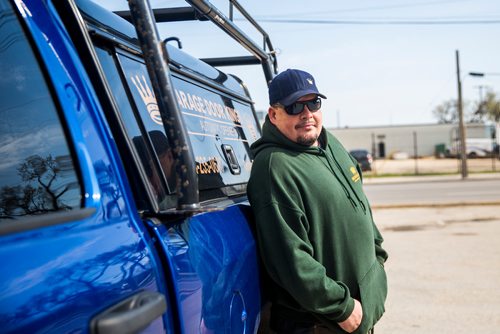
[317, 239]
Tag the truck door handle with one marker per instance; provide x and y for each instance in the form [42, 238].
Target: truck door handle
[130, 315]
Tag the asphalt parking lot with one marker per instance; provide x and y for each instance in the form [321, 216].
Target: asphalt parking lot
[443, 269]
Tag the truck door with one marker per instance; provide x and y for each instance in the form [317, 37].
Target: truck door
[75, 257]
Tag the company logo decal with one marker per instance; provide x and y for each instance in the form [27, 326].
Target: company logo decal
[210, 165]
[355, 175]
[310, 81]
[148, 97]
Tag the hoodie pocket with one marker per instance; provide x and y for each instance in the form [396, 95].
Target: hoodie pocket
[373, 291]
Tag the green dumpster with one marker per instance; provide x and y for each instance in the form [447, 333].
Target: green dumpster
[440, 150]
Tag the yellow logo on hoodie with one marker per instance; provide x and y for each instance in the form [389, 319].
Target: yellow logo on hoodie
[355, 175]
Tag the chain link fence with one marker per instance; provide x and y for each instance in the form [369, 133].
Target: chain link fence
[432, 165]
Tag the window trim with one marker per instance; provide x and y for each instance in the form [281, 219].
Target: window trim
[28, 223]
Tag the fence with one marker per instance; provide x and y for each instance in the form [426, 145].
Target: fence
[432, 165]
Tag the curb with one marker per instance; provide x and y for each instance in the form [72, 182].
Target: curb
[433, 205]
[437, 178]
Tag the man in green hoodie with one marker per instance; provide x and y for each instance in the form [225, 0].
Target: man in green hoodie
[315, 230]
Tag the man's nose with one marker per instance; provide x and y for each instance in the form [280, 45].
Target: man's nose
[306, 113]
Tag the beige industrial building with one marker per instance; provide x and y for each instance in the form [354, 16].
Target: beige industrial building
[414, 140]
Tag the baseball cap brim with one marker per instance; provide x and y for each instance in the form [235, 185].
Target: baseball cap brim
[290, 99]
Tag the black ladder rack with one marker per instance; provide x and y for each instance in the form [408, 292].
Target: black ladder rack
[203, 10]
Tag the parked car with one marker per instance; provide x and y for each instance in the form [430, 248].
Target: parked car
[364, 159]
[123, 174]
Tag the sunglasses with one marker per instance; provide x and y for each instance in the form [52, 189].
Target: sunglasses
[297, 107]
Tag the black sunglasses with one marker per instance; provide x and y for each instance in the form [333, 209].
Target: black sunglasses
[297, 107]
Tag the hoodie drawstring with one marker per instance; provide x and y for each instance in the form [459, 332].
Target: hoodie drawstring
[348, 193]
[350, 186]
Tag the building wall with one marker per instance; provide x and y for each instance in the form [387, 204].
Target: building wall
[419, 139]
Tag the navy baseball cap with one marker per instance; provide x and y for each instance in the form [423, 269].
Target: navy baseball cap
[290, 85]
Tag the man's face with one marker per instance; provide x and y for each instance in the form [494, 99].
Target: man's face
[303, 128]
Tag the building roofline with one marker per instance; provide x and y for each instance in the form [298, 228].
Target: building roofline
[404, 125]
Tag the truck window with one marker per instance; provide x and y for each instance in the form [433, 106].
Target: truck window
[142, 144]
[213, 121]
[140, 87]
[37, 175]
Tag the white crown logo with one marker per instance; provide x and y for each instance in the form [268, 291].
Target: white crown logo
[310, 81]
[148, 97]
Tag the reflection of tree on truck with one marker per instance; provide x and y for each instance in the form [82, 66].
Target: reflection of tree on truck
[42, 189]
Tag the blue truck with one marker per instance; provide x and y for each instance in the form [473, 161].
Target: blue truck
[123, 170]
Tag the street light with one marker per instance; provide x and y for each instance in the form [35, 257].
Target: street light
[481, 74]
[463, 148]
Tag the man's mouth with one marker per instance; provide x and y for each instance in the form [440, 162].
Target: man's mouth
[305, 125]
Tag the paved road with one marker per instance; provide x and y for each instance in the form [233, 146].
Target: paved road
[434, 192]
[443, 266]
[443, 270]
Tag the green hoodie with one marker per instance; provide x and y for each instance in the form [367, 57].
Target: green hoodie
[315, 230]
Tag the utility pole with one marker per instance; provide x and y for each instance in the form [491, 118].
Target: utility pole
[463, 148]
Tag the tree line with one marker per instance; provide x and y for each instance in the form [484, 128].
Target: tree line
[488, 109]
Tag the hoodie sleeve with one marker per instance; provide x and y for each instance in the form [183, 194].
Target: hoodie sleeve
[381, 254]
[379, 251]
[282, 235]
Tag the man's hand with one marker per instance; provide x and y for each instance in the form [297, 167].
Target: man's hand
[352, 323]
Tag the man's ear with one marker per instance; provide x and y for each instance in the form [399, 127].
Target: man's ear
[272, 113]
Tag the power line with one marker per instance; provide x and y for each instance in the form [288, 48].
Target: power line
[378, 22]
[418, 4]
[376, 8]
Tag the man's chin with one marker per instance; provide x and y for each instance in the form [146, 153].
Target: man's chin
[307, 141]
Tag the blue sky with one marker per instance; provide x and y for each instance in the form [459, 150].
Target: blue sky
[373, 74]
